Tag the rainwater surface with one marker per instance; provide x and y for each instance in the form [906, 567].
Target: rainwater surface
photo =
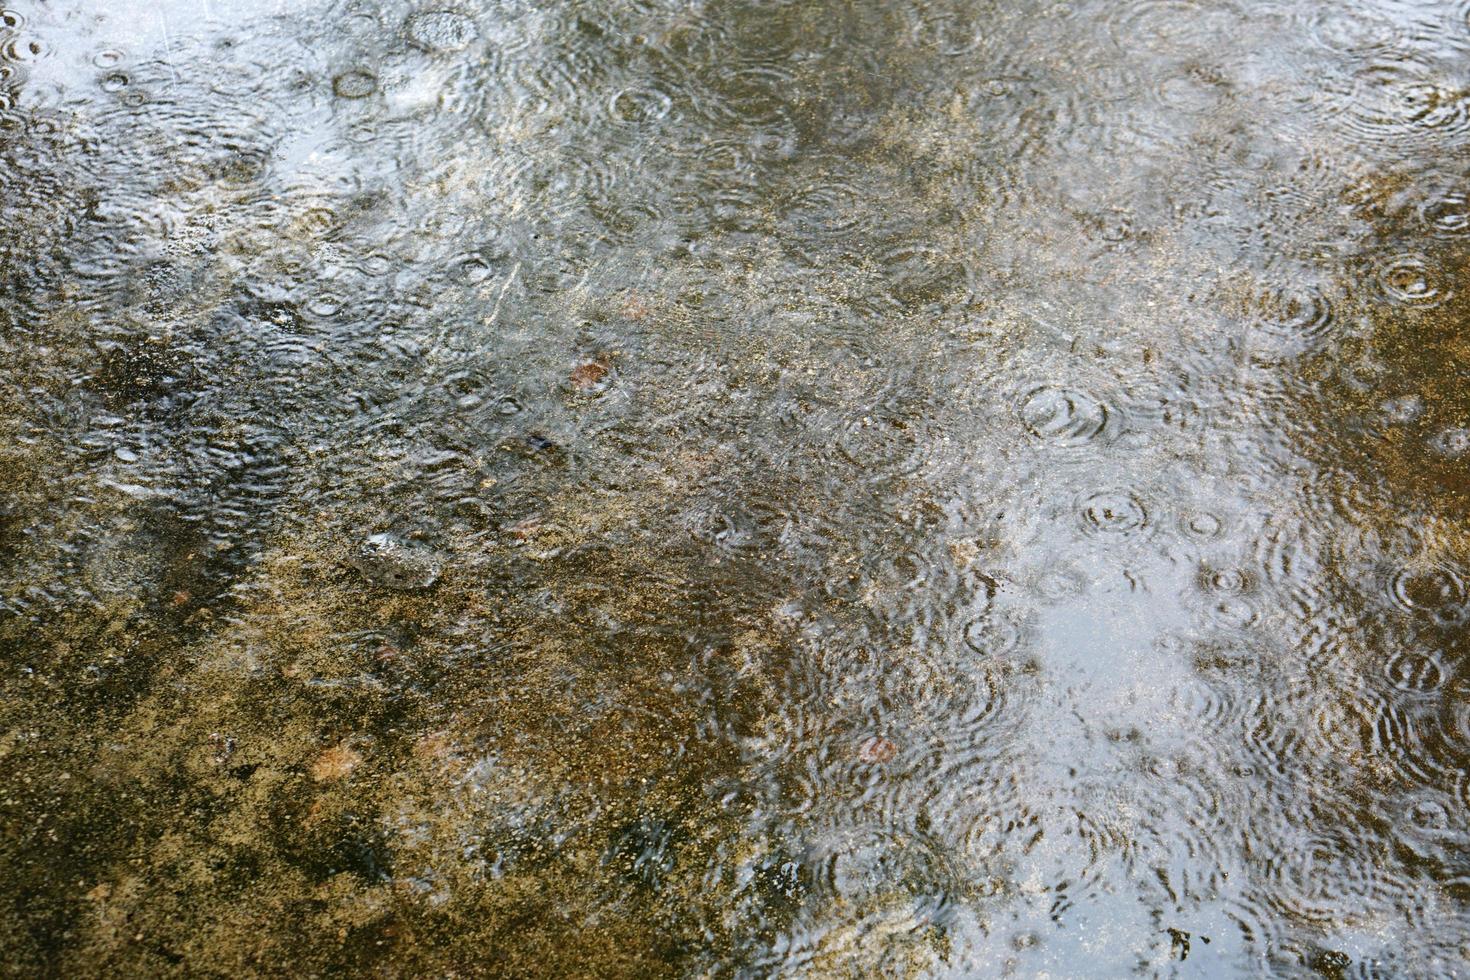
[735, 488]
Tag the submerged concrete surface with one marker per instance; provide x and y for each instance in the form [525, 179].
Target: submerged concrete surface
[735, 488]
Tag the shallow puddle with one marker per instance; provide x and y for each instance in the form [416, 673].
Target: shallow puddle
[735, 488]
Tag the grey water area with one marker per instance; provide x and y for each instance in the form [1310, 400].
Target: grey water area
[735, 488]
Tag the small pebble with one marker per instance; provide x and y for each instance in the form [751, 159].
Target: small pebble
[386, 560]
[586, 376]
[877, 750]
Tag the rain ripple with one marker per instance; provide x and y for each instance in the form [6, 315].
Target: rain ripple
[1063, 416]
[1399, 101]
[1412, 280]
[1448, 215]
